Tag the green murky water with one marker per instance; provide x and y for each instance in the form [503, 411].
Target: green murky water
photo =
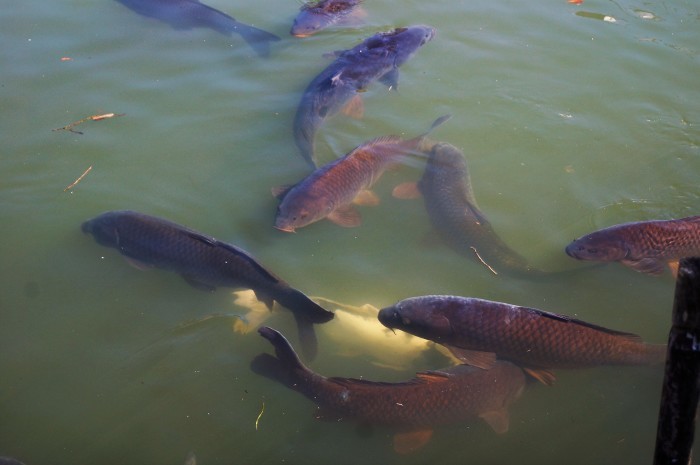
[569, 123]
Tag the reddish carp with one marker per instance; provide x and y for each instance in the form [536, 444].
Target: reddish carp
[330, 191]
[482, 330]
[204, 262]
[376, 58]
[644, 246]
[316, 16]
[413, 407]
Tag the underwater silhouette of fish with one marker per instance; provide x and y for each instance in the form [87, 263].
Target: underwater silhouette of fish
[316, 16]
[644, 246]
[449, 201]
[330, 191]
[204, 262]
[187, 14]
[340, 84]
[453, 395]
[481, 331]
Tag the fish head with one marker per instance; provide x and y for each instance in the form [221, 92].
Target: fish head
[420, 316]
[602, 246]
[405, 41]
[300, 208]
[103, 228]
[309, 21]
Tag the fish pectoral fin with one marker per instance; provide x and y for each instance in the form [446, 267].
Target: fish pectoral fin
[139, 265]
[479, 359]
[650, 266]
[545, 377]
[406, 191]
[265, 298]
[194, 282]
[346, 216]
[280, 191]
[673, 266]
[355, 108]
[498, 420]
[406, 443]
[391, 79]
[366, 197]
[433, 376]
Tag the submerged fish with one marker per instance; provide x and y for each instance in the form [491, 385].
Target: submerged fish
[315, 16]
[188, 14]
[204, 262]
[414, 407]
[453, 212]
[645, 246]
[330, 191]
[482, 330]
[378, 57]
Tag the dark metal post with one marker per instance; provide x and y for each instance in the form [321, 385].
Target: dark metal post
[679, 397]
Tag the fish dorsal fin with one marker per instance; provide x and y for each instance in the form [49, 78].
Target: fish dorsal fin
[406, 191]
[566, 319]
[280, 191]
[366, 197]
[203, 239]
[479, 359]
[650, 266]
[346, 216]
[391, 79]
[498, 420]
[355, 108]
[251, 261]
[545, 377]
[406, 443]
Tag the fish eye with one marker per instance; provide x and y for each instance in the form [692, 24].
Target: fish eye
[593, 250]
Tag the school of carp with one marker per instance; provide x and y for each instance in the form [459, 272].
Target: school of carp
[500, 347]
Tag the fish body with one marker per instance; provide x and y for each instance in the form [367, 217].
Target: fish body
[316, 16]
[188, 14]
[377, 57]
[203, 261]
[430, 399]
[644, 246]
[453, 212]
[526, 336]
[329, 191]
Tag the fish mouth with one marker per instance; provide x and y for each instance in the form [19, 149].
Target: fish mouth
[287, 229]
[85, 227]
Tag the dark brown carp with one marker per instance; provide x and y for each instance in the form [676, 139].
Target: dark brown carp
[376, 58]
[413, 407]
[188, 14]
[316, 16]
[204, 262]
[449, 200]
[644, 246]
[330, 191]
[483, 330]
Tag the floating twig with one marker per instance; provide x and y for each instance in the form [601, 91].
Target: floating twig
[257, 420]
[70, 126]
[80, 178]
[482, 261]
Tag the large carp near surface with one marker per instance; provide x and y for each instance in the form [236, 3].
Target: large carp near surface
[204, 262]
[532, 338]
[340, 83]
[414, 407]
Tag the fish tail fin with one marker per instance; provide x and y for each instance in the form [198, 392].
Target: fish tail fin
[656, 353]
[284, 366]
[258, 39]
[306, 313]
